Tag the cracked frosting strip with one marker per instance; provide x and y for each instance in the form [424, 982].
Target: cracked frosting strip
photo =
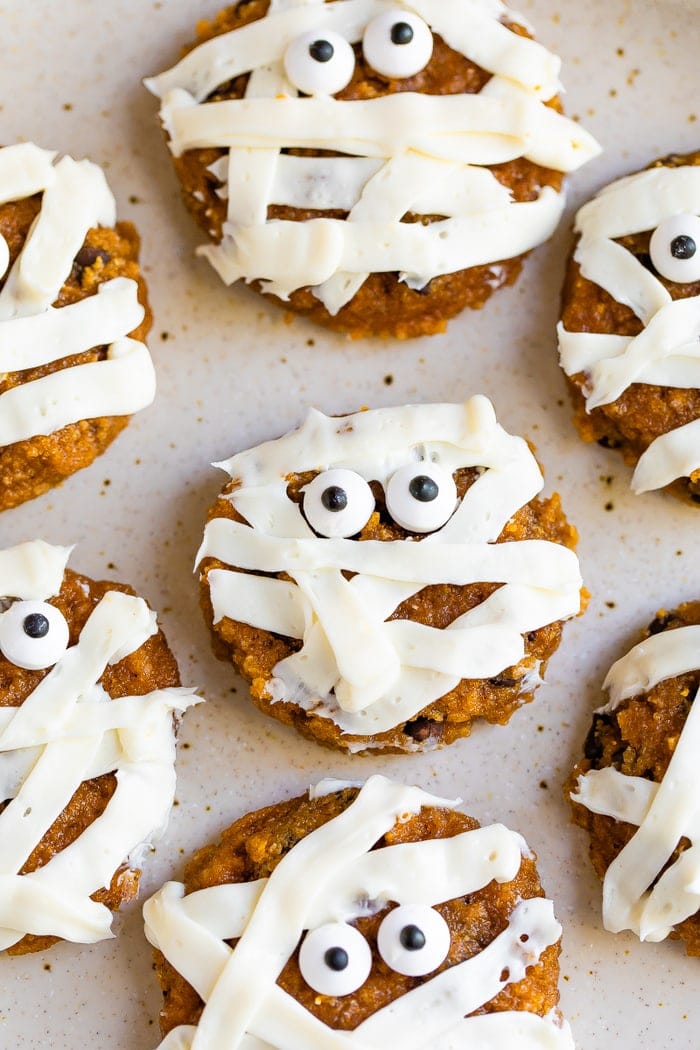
[246, 1009]
[667, 351]
[645, 889]
[337, 618]
[75, 198]
[433, 139]
[66, 731]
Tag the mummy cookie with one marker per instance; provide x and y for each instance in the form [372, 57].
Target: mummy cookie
[73, 318]
[637, 789]
[630, 331]
[89, 700]
[359, 918]
[382, 579]
[378, 166]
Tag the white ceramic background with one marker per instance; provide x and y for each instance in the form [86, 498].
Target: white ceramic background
[232, 373]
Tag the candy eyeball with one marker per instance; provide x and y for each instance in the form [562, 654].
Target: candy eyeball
[675, 249]
[413, 940]
[338, 503]
[320, 63]
[335, 959]
[33, 635]
[421, 497]
[397, 44]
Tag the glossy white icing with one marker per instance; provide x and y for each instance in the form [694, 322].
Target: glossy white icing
[667, 350]
[645, 890]
[395, 145]
[366, 672]
[246, 1009]
[67, 731]
[75, 198]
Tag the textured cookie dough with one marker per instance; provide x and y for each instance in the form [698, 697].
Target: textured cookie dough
[31, 466]
[148, 668]
[253, 848]
[644, 411]
[639, 738]
[381, 303]
[452, 705]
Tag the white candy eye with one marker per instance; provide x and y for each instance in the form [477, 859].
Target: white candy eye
[320, 63]
[338, 503]
[413, 940]
[675, 249]
[33, 635]
[335, 959]
[421, 497]
[397, 44]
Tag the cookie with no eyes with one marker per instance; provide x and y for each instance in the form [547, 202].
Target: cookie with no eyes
[89, 702]
[383, 579]
[367, 916]
[377, 167]
[74, 315]
[630, 325]
[636, 789]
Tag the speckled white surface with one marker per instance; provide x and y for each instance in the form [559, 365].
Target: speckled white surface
[231, 373]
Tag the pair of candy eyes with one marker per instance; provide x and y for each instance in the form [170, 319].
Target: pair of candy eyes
[33, 635]
[420, 497]
[674, 249]
[336, 960]
[394, 45]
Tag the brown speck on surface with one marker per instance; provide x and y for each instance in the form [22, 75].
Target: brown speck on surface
[47, 967]
[609, 506]
[107, 482]
[679, 553]
[165, 336]
[133, 199]
[632, 76]
[111, 565]
[544, 785]
[692, 117]
[311, 342]
[67, 106]
[613, 92]
[186, 746]
[611, 605]
[388, 380]
[540, 729]
[620, 52]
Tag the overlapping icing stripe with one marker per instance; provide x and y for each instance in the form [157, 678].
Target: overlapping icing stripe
[366, 672]
[323, 878]
[69, 730]
[396, 146]
[75, 197]
[644, 889]
[667, 351]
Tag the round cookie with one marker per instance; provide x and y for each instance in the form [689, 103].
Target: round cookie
[631, 323]
[382, 579]
[73, 316]
[377, 168]
[636, 789]
[380, 911]
[85, 784]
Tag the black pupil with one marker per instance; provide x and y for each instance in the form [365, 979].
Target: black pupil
[334, 499]
[336, 959]
[424, 489]
[683, 247]
[412, 938]
[321, 50]
[36, 625]
[401, 33]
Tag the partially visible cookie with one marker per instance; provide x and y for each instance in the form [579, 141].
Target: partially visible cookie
[637, 787]
[383, 579]
[630, 325]
[380, 911]
[89, 701]
[73, 318]
[377, 167]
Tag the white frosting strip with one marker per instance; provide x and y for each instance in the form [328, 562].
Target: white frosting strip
[657, 658]
[640, 202]
[644, 891]
[274, 605]
[122, 384]
[336, 863]
[673, 455]
[25, 169]
[67, 731]
[38, 339]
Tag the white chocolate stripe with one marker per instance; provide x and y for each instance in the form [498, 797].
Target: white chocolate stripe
[25, 169]
[38, 339]
[673, 455]
[656, 659]
[614, 794]
[507, 1029]
[77, 199]
[32, 570]
[274, 605]
[45, 908]
[622, 275]
[122, 384]
[536, 563]
[491, 128]
[640, 202]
